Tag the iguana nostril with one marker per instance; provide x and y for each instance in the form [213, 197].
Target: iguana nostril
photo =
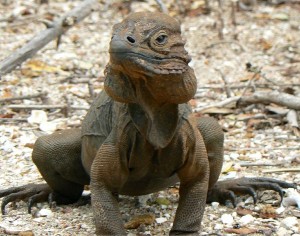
[130, 39]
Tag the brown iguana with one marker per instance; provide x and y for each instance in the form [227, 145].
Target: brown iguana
[139, 136]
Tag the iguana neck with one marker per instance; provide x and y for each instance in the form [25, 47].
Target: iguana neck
[153, 100]
[157, 121]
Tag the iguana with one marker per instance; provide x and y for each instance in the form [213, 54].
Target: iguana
[139, 136]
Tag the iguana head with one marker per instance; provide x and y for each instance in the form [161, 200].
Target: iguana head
[148, 47]
[149, 43]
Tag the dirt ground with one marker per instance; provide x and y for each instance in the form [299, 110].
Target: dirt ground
[259, 141]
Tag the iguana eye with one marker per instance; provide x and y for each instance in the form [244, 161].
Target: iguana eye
[161, 39]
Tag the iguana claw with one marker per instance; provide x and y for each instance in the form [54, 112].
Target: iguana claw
[228, 189]
[33, 192]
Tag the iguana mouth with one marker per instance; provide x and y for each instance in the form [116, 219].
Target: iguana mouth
[156, 64]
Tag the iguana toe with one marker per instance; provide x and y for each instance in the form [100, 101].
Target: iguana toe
[33, 192]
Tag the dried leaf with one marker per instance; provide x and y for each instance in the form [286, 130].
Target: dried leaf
[7, 115]
[135, 222]
[243, 211]
[29, 145]
[34, 68]
[249, 76]
[6, 93]
[227, 167]
[258, 124]
[162, 201]
[265, 44]
[281, 16]
[193, 103]
[37, 65]
[243, 231]
[268, 212]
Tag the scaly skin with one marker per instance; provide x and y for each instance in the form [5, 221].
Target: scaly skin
[139, 135]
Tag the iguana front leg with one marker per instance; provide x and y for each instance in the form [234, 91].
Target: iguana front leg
[194, 177]
[107, 176]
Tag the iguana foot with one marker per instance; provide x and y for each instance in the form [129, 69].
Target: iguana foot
[33, 192]
[228, 189]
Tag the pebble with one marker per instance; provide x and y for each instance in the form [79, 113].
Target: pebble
[215, 205]
[244, 220]
[227, 219]
[282, 231]
[218, 226]
[293, 198]
[45, 213]
[280, 210]
[234, 156]
[255, 156]
[37, 117]
[289, 222]
[160, 220]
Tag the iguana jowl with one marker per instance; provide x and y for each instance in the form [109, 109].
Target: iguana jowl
[139, 135]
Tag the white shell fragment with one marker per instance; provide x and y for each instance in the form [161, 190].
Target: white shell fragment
[215, 205]
[37, 117]
[292, 199]
[48, 127]
[45, 213]
[160, 220]
[227, 219]
[246, 219]
[289, 222]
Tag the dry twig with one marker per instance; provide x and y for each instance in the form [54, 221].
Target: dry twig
[296, 169]
[38, 95]
[41, 107]
[276, 97]
[293, 121]
[226, 102]
[162, 6]
[226, 86]
[40, 40]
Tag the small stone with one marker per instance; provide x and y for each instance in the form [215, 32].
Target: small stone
[45, 213]
[26, 233]
[234, 156]
[244, 220]
[255, 156]
[160, 220]
[215, 205]
[218, 226]
[289, 222]
[37, 117]
[279, 210]
[48, 127]
[282, 231]
[227, 219]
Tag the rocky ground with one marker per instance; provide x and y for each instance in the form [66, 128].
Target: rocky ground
[258, 142]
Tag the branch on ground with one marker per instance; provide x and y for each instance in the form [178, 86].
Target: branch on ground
[54, 31]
